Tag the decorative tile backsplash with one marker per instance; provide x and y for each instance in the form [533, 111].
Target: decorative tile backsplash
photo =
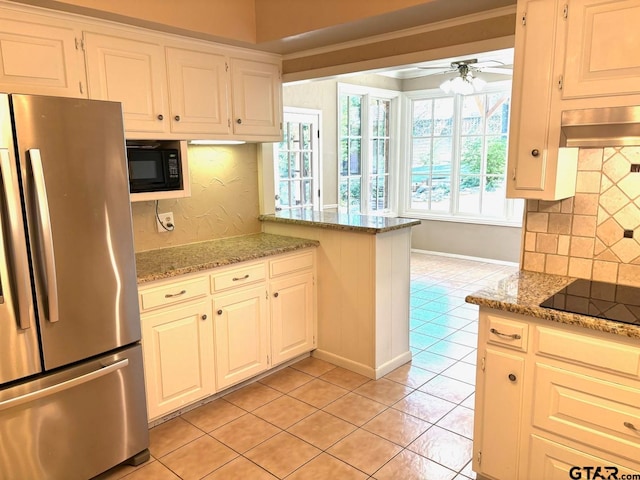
[223, 202]
[596, 234]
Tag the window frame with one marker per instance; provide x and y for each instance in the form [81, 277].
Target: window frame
[511, 218]
[394, 173]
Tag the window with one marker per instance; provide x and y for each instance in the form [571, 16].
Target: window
[458, 156]
[297, 161]
[366, 142]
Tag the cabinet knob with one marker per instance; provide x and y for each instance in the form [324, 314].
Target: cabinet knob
[239, 121]
[535, 152]
[631, 426]
[177, 117]
[219, 312]
[160, 117]
[275, 294]
[512, 377]
[204, 317]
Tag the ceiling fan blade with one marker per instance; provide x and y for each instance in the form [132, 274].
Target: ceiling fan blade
[502, 71]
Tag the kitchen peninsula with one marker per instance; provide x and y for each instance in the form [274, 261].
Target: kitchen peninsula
[363, 285]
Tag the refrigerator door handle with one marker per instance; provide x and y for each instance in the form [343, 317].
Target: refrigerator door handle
[47, 237]
[17, 247]
[59, 387]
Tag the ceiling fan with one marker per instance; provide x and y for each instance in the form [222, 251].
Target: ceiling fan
[466, 81]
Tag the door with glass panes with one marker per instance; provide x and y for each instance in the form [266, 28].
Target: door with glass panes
[297, 160]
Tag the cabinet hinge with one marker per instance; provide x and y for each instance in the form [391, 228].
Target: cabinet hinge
[479, 458]
[280, 126]
[226, 67]
[560, 82]
[482, 364]
[266, 295]
[229, 122]
[81, 87]
[268, 362]
[565, 11]
[79, 44]
[514, 174]
[524, 19]
[314, 340]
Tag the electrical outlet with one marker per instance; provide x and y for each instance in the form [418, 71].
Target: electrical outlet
[167, 220]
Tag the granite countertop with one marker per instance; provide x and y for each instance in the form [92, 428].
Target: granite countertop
[194, 257]
[523, 292]
[341, 221]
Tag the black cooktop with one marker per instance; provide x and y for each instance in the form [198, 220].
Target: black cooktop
[619, 303]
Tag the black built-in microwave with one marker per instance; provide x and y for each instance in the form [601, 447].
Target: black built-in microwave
[154, 169]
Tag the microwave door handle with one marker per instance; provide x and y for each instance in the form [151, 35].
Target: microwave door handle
[46, 248]
[17, 246]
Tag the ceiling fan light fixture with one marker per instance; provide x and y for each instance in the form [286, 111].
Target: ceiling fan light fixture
[463, 84]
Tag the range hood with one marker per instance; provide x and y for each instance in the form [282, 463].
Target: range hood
[601, 127]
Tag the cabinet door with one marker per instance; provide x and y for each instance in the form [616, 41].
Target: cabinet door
[241, 336]
[501, 412]
[602, 48]
[39, 59]
[198, 91]
[178, 356]
[257, 100]
[552, 461]
[132, 72]
[537, 168]
[292, 325]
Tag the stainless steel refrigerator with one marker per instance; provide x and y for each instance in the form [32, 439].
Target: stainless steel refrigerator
[72, 400]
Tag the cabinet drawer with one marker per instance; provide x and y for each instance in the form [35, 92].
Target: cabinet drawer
[507, 333]
[592, 352]
[236, 277]
[172, 293]
[553, 461]
[290, 263]
[588, 410]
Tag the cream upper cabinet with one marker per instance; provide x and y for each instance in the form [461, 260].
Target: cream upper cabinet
[256, 91]
[38, 57]
[602, 56]
[131, 71]
[199, 91]
[537, 167]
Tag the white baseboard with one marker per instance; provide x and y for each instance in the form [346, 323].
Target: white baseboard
[466, 257]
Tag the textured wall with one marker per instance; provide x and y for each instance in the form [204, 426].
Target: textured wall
[583, 236]
[223, 202]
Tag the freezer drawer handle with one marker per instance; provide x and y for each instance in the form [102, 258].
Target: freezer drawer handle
[74, 382]
[18, 245]
[47, 238]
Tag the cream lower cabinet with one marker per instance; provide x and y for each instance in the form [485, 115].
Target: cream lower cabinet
[205, 332]
[292, 302]
[554, 400]
[178, 356]
[241, 335]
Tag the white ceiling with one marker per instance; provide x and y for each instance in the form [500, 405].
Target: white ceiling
[504, 57]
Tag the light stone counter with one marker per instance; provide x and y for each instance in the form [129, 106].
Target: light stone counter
[524, 291]
[341, 221]
[194, 257]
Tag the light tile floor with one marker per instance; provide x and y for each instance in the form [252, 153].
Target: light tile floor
[314, 420]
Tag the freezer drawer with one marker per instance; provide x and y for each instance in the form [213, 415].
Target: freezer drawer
[76, 423]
